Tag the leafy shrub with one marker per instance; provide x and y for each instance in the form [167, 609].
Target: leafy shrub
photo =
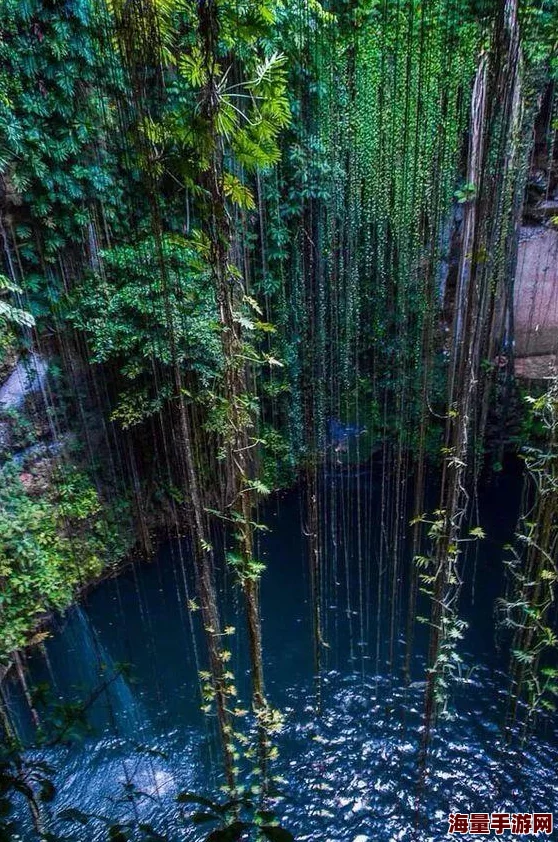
[152, 305]
[49, 546]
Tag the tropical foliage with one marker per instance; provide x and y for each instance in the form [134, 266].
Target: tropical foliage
[263, 241]
[51, 545]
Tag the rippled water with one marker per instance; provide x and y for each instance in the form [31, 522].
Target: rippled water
[359, 764]
[349, 773]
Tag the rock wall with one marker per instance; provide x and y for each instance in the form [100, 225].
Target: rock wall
[536, 296]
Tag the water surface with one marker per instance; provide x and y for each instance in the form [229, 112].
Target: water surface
[350, 771]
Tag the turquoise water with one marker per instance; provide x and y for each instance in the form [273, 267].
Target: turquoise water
[349, 772]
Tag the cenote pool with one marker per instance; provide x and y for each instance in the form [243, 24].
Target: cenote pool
[349, 771]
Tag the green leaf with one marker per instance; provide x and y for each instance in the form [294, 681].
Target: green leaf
[237, 192]
[477, 532]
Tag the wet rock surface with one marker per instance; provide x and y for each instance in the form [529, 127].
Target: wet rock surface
[536, 303]
[28, 376]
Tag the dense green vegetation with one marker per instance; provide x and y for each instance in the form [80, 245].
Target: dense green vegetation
[126, 311]
[255, 241]
[51, 544]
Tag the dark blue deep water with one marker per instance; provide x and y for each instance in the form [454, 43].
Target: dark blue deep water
[347, 773]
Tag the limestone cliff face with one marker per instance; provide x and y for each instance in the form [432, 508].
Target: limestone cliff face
[536, 294]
